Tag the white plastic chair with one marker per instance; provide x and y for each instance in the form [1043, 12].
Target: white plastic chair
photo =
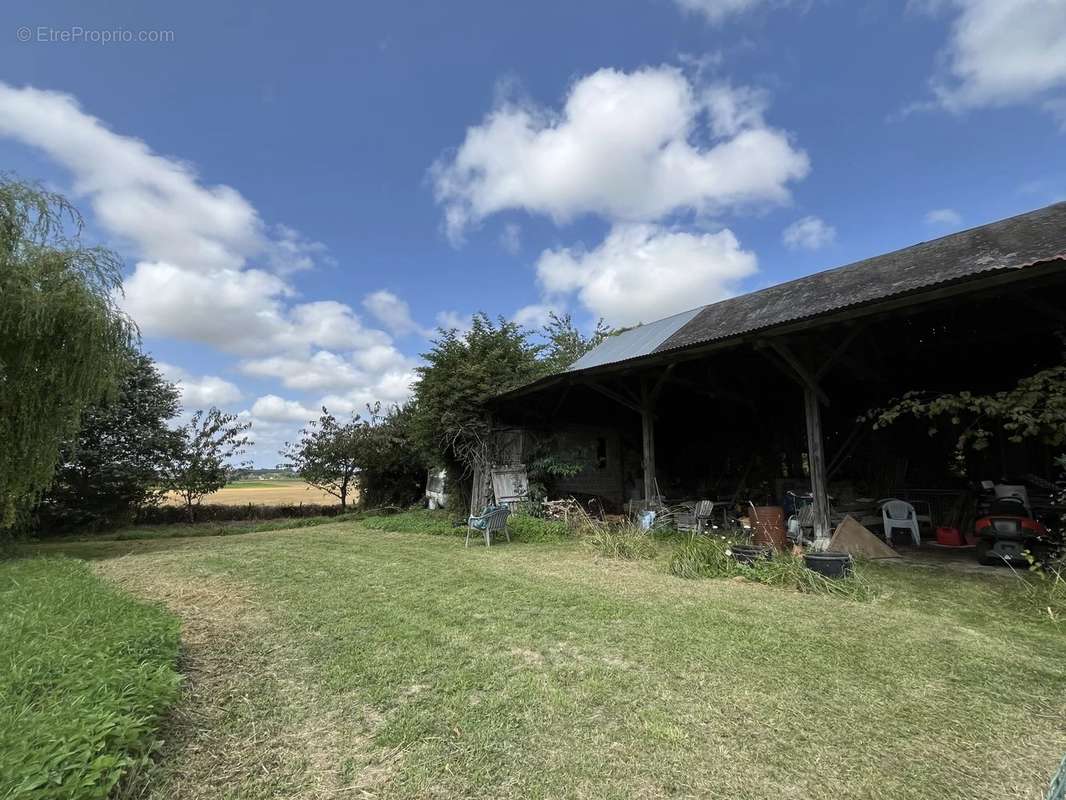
[900, 514]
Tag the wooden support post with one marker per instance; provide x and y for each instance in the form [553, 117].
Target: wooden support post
[813, 396]
[647, 424]
[816, 464]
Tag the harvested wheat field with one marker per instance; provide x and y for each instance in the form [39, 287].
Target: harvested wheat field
[269, 493]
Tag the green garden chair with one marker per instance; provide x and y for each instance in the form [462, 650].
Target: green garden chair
[491, 520]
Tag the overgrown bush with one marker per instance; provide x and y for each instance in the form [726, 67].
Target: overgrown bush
[626, 541]
[85, 673]
[525, 528]
[166, 515]
[423, 520]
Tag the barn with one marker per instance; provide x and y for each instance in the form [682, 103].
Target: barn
[760, 397]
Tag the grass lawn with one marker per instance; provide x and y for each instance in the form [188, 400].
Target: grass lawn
[338, 661]
[85, 672]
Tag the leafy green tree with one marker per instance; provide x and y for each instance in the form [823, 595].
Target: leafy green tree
[461, 371]
[1034, 408]
[116, 462]
[327, 454]
[202, 462]
[392, 472]
[62, 336]
[566, 343]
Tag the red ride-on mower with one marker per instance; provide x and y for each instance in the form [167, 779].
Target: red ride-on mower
[1008, 531]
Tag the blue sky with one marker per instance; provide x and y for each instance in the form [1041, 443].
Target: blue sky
[303, 192]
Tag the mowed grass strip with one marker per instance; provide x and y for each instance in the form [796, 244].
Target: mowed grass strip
[541, 671]
[85, 673]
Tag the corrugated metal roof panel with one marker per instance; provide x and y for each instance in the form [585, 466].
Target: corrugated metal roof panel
[635, 342]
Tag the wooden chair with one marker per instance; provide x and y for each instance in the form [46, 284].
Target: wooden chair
[492, 520]
[704, 514]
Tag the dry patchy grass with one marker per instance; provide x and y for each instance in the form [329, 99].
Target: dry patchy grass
[250, 723]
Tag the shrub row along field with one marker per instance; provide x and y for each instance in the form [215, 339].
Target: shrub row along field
[85, 672]
[168, 514]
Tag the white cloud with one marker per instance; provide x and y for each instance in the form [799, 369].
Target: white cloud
[392, 312]
[714, 11]
[627, 146]
[324, 369]
[643, 272]
[195, 279]
[391, 388]
[291, 252]
[209, 270]
[327, 323]
[808, 233]
[734, 109]
[511, 238]
[320, 371]
[236, 310]
[1003, 52]
[453, 320]
[536, 315]
[201, 391]
[155, 203]
[272, 408]
[943, 216]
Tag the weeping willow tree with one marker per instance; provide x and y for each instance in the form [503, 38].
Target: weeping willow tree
[62, 336]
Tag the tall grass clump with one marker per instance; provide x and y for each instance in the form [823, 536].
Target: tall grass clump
[627, 541]
[789, 571]
[711, 557]
[85, 673]
[1044, 588]
[703, 557]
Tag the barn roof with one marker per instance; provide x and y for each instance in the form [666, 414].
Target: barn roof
[1010, 244]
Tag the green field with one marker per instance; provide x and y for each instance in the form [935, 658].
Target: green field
[337, 661]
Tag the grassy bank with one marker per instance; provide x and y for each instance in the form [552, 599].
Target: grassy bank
[85, 672]
[351, 662]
